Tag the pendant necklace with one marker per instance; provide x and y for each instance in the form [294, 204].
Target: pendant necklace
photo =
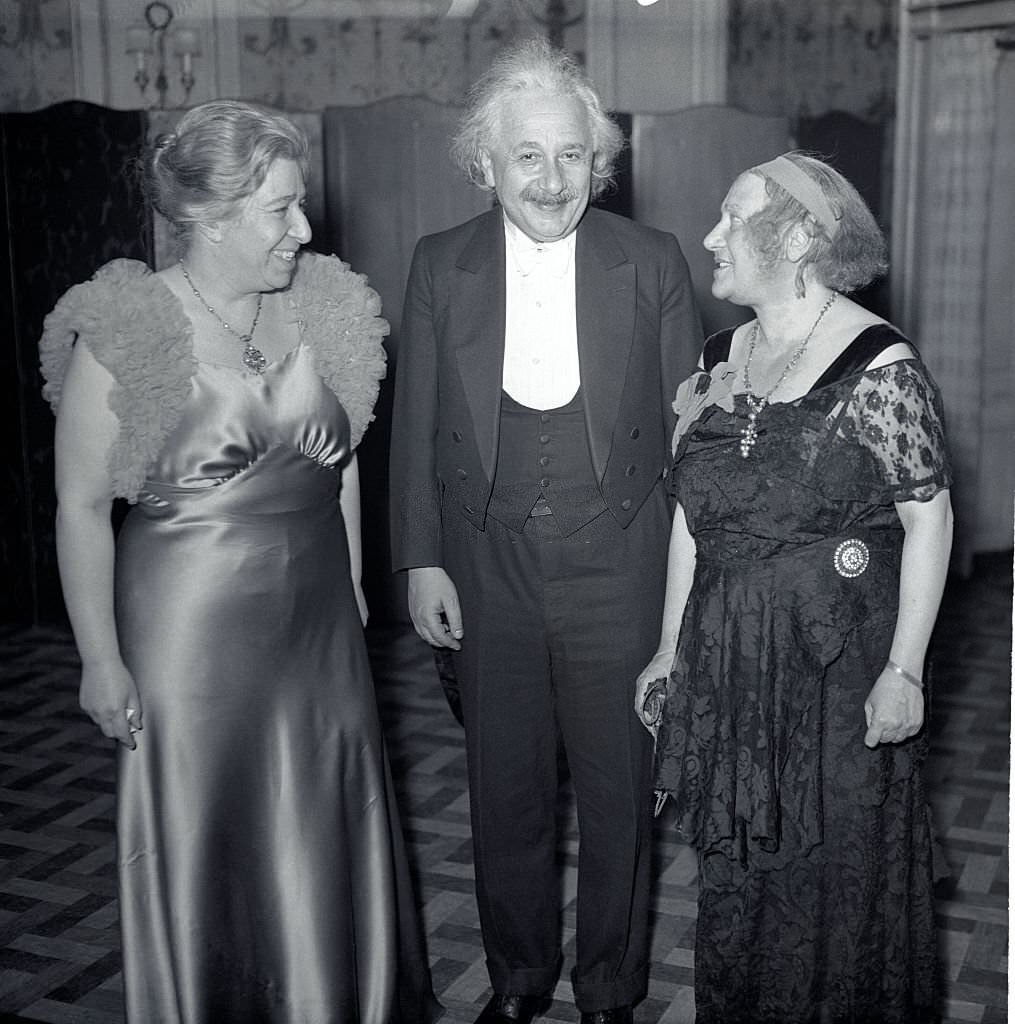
[253, 358]
[749, 435]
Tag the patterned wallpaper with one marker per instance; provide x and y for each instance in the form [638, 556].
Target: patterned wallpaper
[312, 63]
[299, 62]
[800, 58]
[803, 58]
[36, 61]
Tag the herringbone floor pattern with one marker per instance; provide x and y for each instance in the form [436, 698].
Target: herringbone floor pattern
[59, 945]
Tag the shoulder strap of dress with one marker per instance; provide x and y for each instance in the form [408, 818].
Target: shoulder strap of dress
[717, 348]
[860, 353]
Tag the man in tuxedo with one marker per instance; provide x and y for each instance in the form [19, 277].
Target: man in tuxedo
[542, 343]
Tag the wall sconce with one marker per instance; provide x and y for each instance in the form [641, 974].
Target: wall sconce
[145, 40]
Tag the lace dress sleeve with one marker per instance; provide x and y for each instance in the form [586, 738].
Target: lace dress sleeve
[896, 414]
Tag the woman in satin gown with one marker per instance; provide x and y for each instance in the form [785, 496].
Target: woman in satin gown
[808, 557]
[263, 876]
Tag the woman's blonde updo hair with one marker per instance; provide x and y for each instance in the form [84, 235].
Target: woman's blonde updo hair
[217, 158]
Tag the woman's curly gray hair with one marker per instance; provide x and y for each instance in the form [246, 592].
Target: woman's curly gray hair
[855, 257]
[533, 65]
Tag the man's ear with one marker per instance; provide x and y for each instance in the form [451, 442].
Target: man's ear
[487, 164]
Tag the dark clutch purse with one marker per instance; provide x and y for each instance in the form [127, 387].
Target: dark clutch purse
[655, 698]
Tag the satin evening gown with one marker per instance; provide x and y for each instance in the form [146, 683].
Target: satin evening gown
[263, 876]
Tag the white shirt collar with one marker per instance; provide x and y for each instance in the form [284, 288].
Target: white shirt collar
[525, 255]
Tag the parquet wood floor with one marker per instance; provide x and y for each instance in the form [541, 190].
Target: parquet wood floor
[59, 945]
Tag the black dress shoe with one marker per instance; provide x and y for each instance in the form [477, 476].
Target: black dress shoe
[503, 1009]
[615, 1015]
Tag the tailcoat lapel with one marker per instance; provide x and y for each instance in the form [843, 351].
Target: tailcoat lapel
[606, 295]
[477, 300]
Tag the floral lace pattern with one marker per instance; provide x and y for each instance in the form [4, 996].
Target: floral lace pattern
[136, 328]
[816, 896]
[895, 414]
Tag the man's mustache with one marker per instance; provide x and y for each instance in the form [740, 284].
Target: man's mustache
[537, 195]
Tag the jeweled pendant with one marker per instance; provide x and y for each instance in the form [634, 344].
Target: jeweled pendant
[749, 435]
[253, 358]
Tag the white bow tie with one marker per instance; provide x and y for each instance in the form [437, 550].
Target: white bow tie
[552, 258]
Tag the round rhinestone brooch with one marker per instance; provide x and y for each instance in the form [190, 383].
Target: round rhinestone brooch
[851, 557]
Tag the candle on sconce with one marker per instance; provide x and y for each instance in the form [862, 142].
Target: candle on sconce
[186, 43]
[186, 46]
[139, 40]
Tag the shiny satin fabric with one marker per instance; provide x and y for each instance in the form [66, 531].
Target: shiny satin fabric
[262, 871]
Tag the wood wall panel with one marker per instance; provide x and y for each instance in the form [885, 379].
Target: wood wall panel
[389, 181]
[684, 163]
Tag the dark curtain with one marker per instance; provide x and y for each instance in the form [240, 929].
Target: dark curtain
[71, 202]
[856, 149]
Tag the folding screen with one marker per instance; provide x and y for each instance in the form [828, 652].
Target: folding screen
[684, 163]
[71, 201]
[389, 180]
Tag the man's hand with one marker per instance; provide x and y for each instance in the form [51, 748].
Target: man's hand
[434, 607]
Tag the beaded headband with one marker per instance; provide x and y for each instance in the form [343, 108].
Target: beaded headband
[803, 188]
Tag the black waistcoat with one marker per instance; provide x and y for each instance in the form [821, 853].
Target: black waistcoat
[543, 455]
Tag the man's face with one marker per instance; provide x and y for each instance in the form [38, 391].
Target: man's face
[541, 164]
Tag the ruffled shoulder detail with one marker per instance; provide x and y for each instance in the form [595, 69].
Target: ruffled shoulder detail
[343, 328]
[136, 328]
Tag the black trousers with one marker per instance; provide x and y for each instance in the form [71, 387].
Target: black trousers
[556, 631]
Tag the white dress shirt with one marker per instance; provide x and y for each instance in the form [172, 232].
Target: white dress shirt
[541, 328]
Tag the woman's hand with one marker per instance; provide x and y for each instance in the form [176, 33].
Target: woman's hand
[650, 690]
[109, 697]
[650, 687]
[894, 710]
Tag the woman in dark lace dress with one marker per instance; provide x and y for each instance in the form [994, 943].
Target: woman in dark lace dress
[809, 552]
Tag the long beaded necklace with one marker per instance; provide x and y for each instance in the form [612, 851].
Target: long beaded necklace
[253, 357]
[749, 435]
